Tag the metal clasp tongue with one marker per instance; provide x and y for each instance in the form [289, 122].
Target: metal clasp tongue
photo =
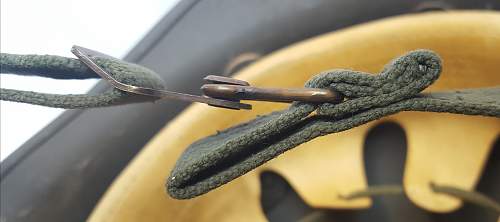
[232, 89]
[220, 91]
[87, 56]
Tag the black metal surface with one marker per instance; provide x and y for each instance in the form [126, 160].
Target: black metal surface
[60, 174]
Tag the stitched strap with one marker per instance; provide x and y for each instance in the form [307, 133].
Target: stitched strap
[218, 159]
[66, 68]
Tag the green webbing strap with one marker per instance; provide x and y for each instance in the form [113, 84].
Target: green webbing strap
[218, 159]
[66, 68]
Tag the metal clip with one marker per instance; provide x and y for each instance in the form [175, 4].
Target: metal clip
[87, 55]
[220, 92]
[236, 90]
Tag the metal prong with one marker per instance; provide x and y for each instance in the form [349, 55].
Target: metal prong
[237, 92]
[224, 80]
[86, 56]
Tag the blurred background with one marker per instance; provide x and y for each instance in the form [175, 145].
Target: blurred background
[52, 27]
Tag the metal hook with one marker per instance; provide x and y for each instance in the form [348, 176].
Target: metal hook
[86, 56]
[220, 92]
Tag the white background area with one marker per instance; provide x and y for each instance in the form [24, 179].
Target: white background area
[52, 27]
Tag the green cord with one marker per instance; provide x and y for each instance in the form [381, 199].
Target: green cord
[389, 190]
[49, 66]
[58, 67]
[473, 197]
[371, 191]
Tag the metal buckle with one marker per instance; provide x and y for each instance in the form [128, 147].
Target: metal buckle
[220, 92]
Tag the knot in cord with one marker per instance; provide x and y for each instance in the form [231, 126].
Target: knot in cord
[404, 77]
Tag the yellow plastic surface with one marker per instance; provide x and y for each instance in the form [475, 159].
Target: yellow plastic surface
[443, 148]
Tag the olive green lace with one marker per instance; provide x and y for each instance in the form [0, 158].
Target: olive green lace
[58, 67]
